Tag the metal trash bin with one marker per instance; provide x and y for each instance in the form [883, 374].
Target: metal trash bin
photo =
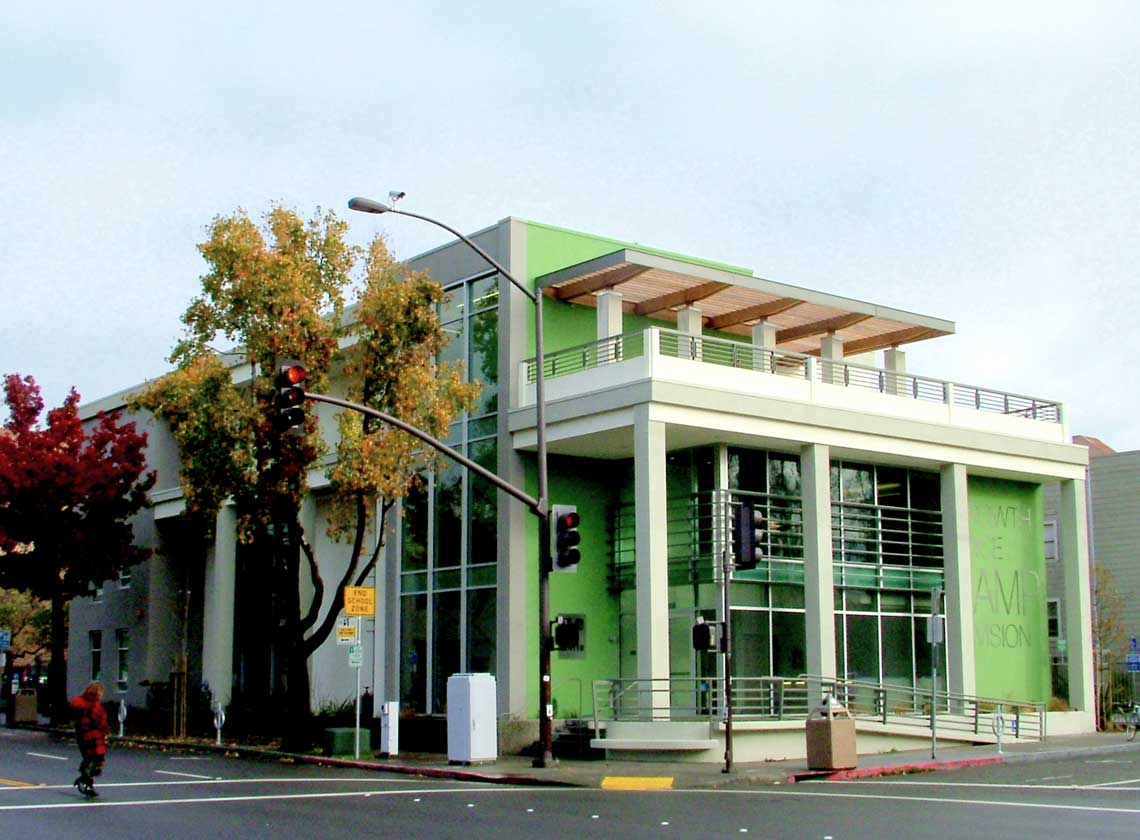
[831, 737]
[24, 706]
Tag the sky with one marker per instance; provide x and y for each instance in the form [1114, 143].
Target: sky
[972, 161]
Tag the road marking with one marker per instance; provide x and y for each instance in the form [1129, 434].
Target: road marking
[185, 775]
[995, 785]
[211, 800]
[637, 783]
[1046, 806]
[214, 780]
[52, 757]
[16, 783]
[1110, 784]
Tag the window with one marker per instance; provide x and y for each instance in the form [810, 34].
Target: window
[95, 643]
[123, 643]
[96, 592]
[1053, 613]
[125, 579]
[1050, 540]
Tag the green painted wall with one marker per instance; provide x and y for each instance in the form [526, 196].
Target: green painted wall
[1011, 640]
[592, 486]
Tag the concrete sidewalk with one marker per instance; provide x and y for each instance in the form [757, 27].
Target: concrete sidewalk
[641, 775]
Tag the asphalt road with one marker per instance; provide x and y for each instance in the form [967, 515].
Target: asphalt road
[156, 795]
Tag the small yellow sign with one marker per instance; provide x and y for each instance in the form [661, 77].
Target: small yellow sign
[360, 600]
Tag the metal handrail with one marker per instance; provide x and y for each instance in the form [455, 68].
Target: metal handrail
[720, 351]
[793, 698]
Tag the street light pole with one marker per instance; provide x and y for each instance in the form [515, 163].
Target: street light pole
[541, 508]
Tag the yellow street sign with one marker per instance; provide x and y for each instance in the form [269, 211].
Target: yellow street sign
[360, 600]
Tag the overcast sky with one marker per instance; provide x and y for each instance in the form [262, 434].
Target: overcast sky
[978, 162]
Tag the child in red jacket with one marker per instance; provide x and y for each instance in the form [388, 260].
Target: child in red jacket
[91, 731]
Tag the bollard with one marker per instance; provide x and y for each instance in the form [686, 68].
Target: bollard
[219, 722]
[999, 727]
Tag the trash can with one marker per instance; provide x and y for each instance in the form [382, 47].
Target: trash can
[24, 707]
[830, 737]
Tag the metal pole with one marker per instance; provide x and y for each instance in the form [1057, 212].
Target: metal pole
[726, 573]
[935, 631]
[541, 506]
[356, 732]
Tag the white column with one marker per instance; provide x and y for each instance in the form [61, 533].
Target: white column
[609, 325]
[959, 579]
[831, 354]
[218, 607]
[819, 581]
[1077, 604]
[764, 336]
[652, 567]
[690, 322]
[894, 360]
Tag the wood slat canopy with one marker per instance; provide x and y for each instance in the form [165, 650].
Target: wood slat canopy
[732, 300]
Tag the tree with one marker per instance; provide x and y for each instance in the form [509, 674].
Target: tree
[278, 291]
[67, 496]
[1109, 643]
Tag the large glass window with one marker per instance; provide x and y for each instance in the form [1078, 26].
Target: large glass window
[449, 570]
[123, 644]
[95, 645]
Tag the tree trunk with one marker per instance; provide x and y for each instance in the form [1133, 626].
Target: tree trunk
[297, 727]
[57, 668]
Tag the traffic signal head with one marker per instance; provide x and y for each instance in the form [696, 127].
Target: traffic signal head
[706, 635]
[748, 530]
[567, 632]
[564, 538]
[290, 399]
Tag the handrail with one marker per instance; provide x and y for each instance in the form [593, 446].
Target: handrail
[725, 352]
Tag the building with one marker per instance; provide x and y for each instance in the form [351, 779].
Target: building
[1113, 484]
[677, 389]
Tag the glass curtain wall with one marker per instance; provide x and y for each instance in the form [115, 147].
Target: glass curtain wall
[887, 549]
[448, 541]
[768, 616]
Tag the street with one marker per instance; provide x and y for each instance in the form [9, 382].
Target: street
[158, 794]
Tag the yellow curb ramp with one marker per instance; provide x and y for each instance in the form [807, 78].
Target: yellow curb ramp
[637, 783]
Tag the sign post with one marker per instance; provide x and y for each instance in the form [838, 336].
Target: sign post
[359, 601]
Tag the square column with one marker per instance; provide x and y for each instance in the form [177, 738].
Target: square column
[218, 607]
[894, 361]
[764, 336]
[609, 314]
[690, 322]
[1077, 597]
[959, 579]
[831, 357]
[819, 574]
[652, 559]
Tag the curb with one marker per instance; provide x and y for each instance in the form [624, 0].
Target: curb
[893, 769]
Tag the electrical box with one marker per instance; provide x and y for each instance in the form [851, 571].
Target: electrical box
[472, 719]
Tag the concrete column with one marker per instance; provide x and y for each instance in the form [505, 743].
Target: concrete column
[652, 571]
[831, 355]
[819, 580]
[764, 335]
[609, 326]
[894, 360]
[958, 572]
[218, 607]
[690, 322]
[1077, 597]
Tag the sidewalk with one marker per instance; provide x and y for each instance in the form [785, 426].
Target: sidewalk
[641, 775]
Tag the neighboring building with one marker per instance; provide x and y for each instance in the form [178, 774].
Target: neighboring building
[1114, 534]
[676, 389]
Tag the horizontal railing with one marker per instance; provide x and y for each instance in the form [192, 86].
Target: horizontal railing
[793, 698]
[724, 352]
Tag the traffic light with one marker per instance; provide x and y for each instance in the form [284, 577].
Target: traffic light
[749, 527]
[706, 635]
[290, 400]
[567, 632]
[564, 538]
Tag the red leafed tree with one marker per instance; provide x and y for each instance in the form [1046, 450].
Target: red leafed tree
[67, 495]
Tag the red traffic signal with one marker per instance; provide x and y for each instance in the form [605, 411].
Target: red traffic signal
[564, 538]
[290, 399]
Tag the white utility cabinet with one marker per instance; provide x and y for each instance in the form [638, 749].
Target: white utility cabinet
[390, 728]
[472, 730]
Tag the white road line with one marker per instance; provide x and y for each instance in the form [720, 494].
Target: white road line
[995, 785]
[185, 775]
[934, 800]
[52, 757]
[211, 800]
[1110, 784]
[213, 780]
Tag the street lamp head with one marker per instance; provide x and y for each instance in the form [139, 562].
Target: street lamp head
[367, 205]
